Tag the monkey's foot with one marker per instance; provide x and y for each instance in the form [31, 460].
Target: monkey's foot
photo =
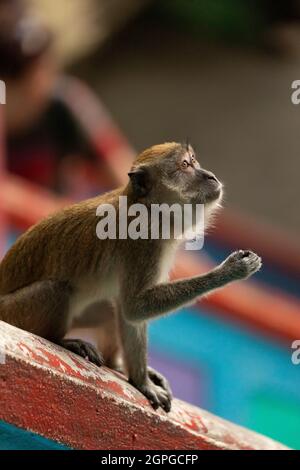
[161, 381]
[83, 349]
[156, 395]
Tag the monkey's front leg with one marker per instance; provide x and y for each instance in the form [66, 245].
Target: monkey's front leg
[160, 299]
[145, 379]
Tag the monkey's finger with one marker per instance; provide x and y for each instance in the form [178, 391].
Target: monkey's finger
[245, 253]
[250, 255]
[255, 261]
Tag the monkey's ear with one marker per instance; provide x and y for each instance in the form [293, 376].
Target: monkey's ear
[140, 181]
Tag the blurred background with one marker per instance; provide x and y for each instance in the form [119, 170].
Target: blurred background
[91, 82]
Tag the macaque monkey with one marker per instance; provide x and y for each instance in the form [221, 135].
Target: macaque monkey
[59, 267]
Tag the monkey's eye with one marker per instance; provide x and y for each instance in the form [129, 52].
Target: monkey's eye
[193, 159]
[184, 164]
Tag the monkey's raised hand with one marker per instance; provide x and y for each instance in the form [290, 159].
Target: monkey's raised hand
[240, 265]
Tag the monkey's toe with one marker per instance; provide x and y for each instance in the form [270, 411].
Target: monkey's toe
[166, 403]
[156, 395]
[83, 349]
[160, 381]
[164, 399]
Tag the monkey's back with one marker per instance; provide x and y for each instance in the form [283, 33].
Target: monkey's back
[57, 248]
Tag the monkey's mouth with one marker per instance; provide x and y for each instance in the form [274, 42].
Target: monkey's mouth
[215, 193]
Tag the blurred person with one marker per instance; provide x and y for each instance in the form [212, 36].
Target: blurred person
[44, 139]
[57, 134]
[284, 33]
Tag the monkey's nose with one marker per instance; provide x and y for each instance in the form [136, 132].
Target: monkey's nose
[208, 175]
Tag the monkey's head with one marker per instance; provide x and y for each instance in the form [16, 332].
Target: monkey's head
[170, 173]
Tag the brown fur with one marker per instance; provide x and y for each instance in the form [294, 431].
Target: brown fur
[59, 268]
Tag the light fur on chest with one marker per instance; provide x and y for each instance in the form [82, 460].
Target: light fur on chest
[90, 291]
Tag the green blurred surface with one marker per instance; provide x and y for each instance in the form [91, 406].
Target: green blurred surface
[226, 19]
[277, 417]
[13, 438]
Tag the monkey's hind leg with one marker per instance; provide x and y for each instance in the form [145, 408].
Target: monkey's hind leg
[42, 308]
[100, 316]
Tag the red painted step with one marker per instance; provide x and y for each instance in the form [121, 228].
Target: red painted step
[56, 394]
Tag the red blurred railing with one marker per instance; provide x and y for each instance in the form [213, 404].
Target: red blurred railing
[2, 180]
